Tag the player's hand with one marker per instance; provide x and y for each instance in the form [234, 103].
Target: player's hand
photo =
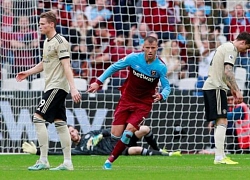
[238, 97]
[21, 76]
[157, 97]
[76, 96]
[29, 147]
[93, 87]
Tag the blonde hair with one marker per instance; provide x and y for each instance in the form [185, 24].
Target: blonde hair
[50, 16]
[166, 52]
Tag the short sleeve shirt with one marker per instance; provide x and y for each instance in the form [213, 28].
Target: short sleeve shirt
[225, 54]
[55, 50]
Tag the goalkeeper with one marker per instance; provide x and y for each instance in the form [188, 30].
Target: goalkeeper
[100, 142]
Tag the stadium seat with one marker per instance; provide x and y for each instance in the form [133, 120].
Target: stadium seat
[4, 73]
[240, 77]
[81, 84]
[12, 85]
[187, 84]
[37, 84]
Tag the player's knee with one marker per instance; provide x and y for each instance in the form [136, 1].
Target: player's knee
[37, 119]
[126, 136]
[144, 129]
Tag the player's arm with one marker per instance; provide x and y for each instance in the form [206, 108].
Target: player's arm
[64, 57]
[76, 96]
[230, 78]
[121, 64]
[165, 84]
[231, 82]
[24, 74]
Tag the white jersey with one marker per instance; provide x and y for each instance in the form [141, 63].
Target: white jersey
[225, 54]
[54, 50]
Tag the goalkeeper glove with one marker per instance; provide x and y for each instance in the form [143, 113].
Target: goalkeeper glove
[96, 139]
[29, 147]
[93, 141]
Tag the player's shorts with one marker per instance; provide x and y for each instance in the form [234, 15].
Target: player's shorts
[52, 105]
[215, 104]
[133, 113]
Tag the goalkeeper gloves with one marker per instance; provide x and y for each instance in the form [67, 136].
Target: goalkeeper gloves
[29, 147]
[96, 139]
[93, 141]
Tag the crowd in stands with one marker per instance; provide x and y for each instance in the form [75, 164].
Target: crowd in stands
[103, 31]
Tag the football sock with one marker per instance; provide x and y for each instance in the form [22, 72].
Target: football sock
[119, 148]
[65, 140]
[219, 138]
[149, 138]
[42, 137]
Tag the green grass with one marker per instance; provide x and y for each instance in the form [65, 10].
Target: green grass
[187, 167]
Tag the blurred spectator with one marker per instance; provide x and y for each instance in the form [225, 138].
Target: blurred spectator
[207, 24]
[138, 38]
[63, 16]
[182, 42]
[108, 49]
[100, 58]
[80, 7]
[227, 17]
[6, 28]
[124, 15]
[6, 16]
[35, 15]
[24, 44]
[239, 23]
[170, 55]
[61, 29]
[177, 11]
[207, 47]
[192, 6]
[79, 51]
[160, 18]
[99, 13]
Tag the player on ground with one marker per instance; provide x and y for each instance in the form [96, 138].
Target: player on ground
[99, 142]
[220, 80]
[137, 93]
[58, 81]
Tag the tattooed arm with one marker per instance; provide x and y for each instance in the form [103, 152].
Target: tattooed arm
[231, 83]
[230, 79]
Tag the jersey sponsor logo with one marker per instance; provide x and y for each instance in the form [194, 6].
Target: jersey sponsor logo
[143, 76]
[63, 51]
[46, 61]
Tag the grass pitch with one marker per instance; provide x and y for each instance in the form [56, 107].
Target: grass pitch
[187, 167]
